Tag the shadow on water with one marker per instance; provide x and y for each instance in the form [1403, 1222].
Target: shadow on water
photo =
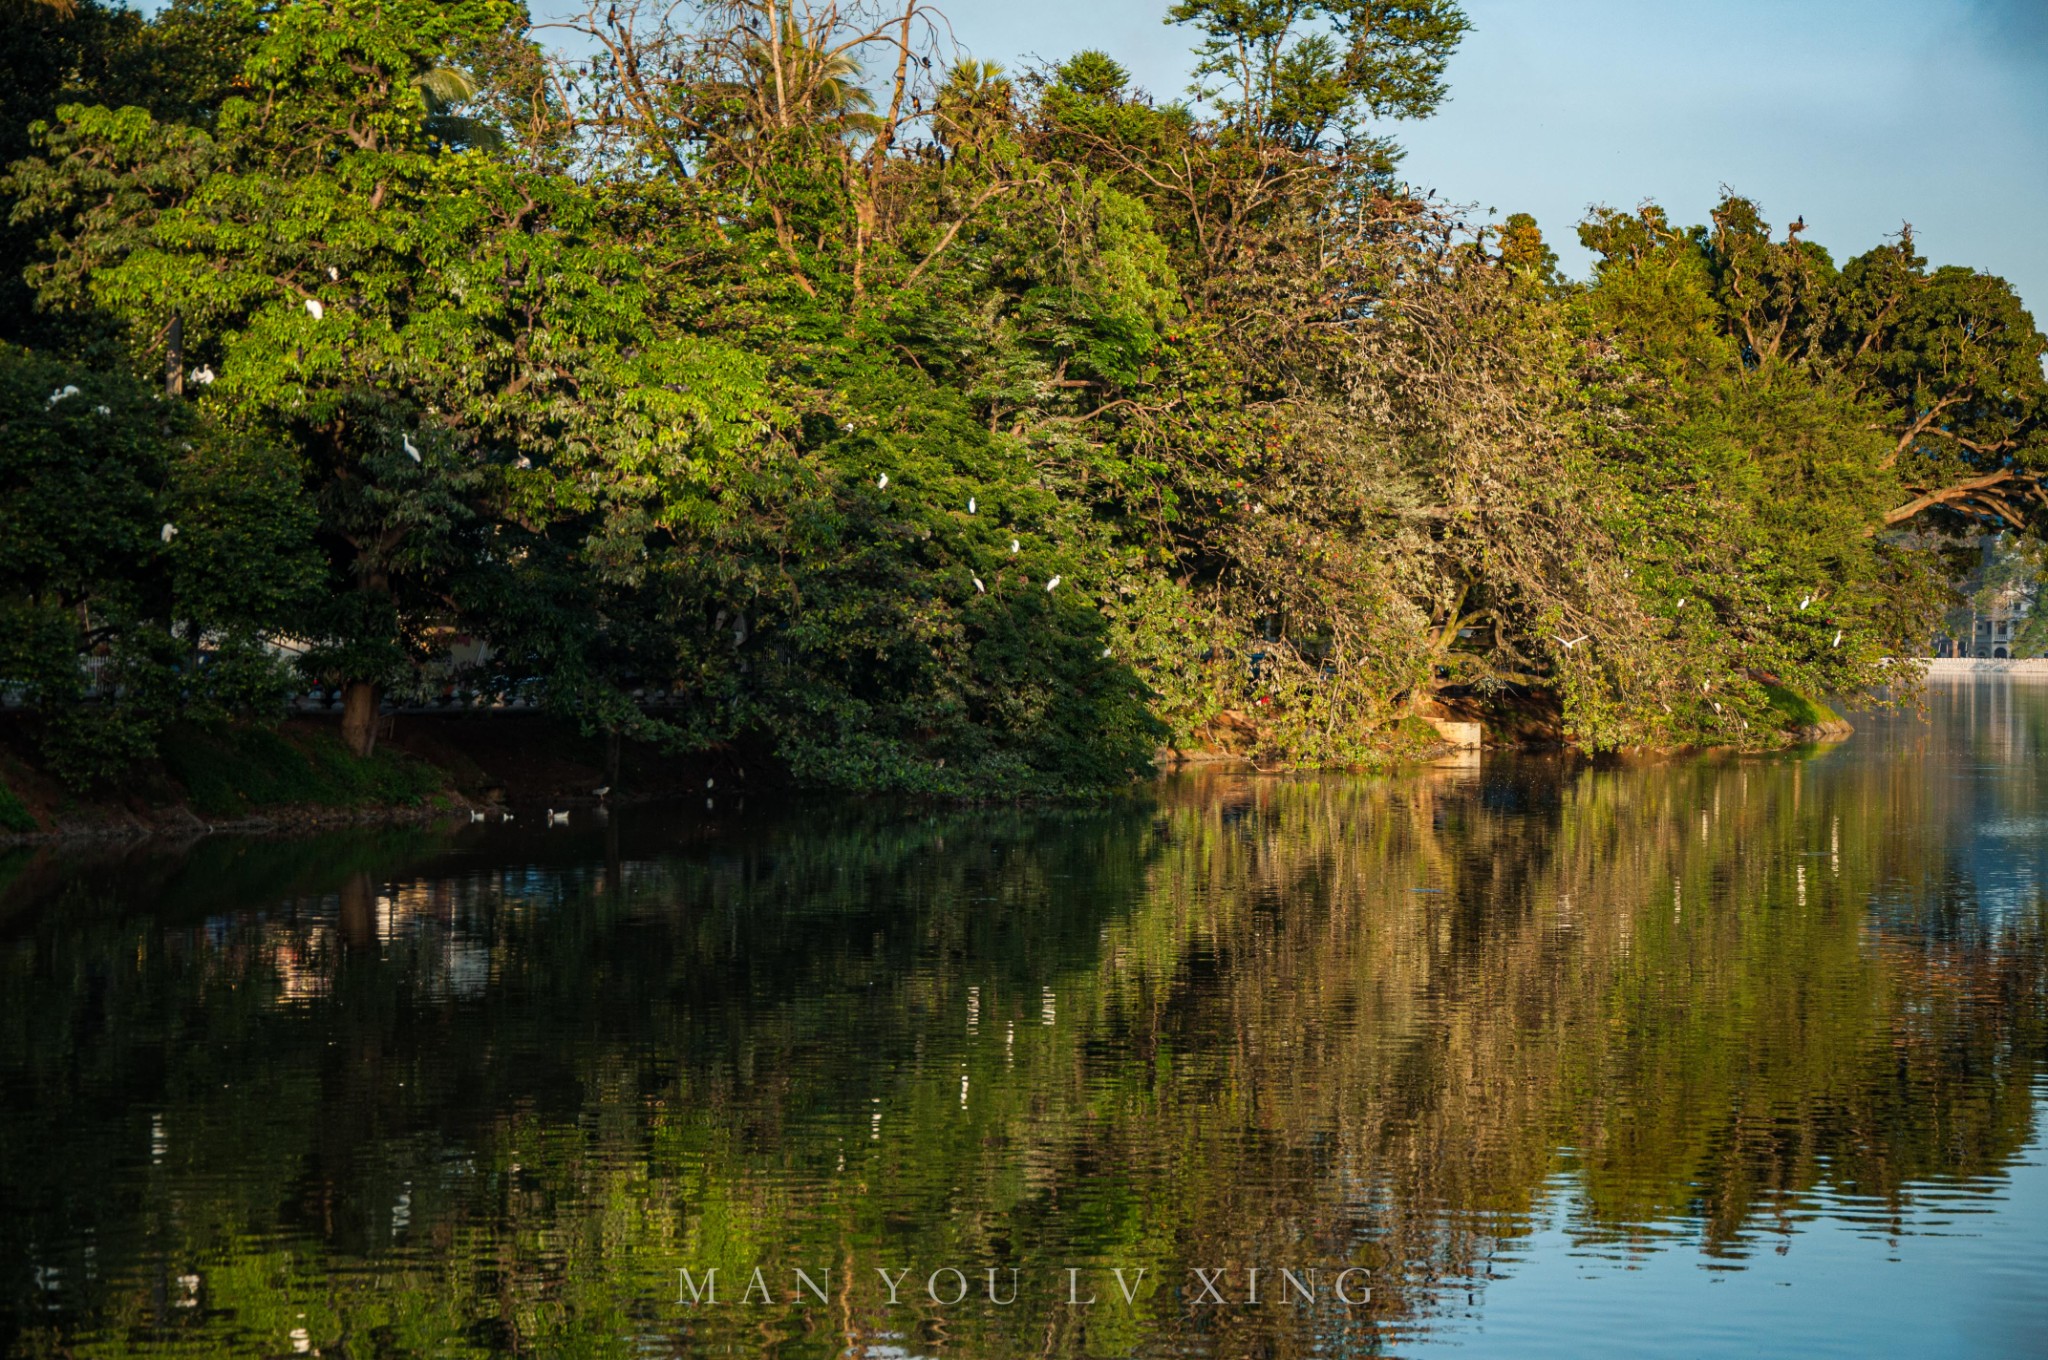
[486, 1090]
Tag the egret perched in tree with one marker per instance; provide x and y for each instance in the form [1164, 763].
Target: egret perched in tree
[979, 588]
[103, 410]
[1014, 548]
[970, 505]
[882, 482]
[68, 390]
[1838, 637]
[1105, 653]
[1805, 602]
[1049, 585]
[170, 532]
[203, 375]
[410, 451]
[314, 309]
[333, 274]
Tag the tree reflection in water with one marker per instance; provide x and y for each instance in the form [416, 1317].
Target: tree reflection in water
[440, 1094]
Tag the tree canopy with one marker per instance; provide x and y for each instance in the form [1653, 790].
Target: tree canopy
[946, 428]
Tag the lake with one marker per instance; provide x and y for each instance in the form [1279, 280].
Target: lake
[1709, 1056]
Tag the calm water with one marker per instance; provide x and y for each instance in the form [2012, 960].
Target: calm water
[1708, 1058]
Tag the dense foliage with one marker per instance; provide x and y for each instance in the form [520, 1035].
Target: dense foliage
[947, 429]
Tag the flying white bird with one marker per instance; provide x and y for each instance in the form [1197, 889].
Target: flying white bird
[314, 309]
[170, 532]
[882, 482]
[970, 505]
[203, 375]
[1050, 584]
[979, 588]
[410, 451]
[1014, 549]
[1573, 643]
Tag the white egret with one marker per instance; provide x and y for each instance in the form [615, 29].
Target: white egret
[314, 309]
[1838, 637]
[602, 791]
[1574, 642]
[103, 410]
[410, 451]
[170, 532]
[203, 375]
[882, 482]
[1014, 548]
[1105, 653]
[709, 783]
[557, 818]
[970, 505]
[1805, 602]
[979, 588]
[475, 816]
[333, 274]
[63, 393]
[523, 462]
[1049, 585]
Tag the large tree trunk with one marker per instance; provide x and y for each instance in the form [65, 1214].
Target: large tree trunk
[174, 356]
[359, 699]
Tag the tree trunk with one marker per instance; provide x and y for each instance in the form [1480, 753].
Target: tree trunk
[359, 699]
[174, 356]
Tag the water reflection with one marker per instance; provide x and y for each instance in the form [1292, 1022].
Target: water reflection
[487, 1091]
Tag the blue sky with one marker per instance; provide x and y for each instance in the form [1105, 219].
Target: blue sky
[1858, 116]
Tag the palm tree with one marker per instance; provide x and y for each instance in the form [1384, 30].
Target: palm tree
[797, 82]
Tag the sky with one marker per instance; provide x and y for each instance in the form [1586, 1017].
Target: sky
[1858, 115]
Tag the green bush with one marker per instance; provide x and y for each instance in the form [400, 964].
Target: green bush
[231, 770]
[13, 815]
[1796, 710]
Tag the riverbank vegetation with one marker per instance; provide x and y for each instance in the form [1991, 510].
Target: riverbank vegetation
[942, 427]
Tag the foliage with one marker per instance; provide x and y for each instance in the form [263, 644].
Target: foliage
[230, 771]
[14, 814]
[140, 570]
[729, 361]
